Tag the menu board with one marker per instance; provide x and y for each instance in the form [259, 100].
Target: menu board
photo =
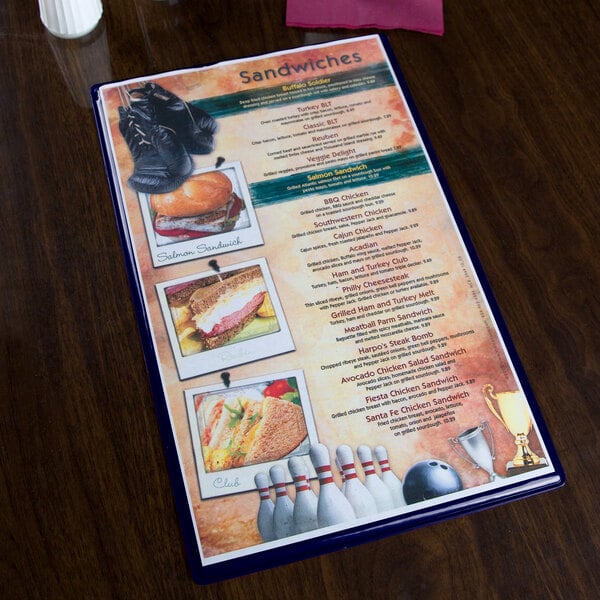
[327, 361]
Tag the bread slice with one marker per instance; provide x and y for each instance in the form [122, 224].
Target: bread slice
[280, 430]
[180, 294]
[204, 299]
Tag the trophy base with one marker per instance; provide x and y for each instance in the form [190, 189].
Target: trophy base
[512, 469]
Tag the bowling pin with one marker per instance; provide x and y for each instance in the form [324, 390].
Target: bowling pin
[332, 507]
[339, 468]
[283, 513]
[388, 476]
[358, 495]
[306, 502]
[379, 491]
[264, 519]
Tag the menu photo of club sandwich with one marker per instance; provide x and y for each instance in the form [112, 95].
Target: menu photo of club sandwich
[243, 429]
[210, 213]
[217, 320]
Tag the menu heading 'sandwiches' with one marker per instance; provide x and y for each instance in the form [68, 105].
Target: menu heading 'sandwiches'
[290, 70]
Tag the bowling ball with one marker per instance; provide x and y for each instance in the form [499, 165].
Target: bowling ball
[430, 479]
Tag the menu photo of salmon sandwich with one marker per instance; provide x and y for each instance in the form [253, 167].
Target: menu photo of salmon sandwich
[210, 213]
[228, 308]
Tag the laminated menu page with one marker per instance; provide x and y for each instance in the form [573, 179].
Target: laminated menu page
[327, 360]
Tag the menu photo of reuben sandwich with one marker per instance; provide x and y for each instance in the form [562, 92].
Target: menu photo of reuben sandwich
[216, 320]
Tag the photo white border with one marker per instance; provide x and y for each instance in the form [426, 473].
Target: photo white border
[241, 479]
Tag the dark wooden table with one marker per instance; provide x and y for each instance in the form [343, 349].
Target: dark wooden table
[510, 98]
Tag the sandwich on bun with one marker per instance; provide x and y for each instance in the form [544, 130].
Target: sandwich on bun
[203, 205]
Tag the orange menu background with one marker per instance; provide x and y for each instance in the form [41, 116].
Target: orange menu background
[228, 523]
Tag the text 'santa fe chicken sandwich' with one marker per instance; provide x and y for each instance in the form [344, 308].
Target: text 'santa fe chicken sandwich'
[204, 205]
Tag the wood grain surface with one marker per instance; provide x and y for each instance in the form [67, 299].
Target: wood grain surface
[509, 97]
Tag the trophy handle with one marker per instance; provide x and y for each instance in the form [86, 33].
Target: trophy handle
[488, 396]
[454, 443]
[486, 426]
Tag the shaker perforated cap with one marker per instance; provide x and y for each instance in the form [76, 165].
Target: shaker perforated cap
[70, 18]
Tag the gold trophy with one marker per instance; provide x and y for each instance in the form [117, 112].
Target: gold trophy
[513, 413]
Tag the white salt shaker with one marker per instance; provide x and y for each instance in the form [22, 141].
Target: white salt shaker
[70, 18]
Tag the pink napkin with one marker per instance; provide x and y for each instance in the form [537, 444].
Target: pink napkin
[420, 15]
